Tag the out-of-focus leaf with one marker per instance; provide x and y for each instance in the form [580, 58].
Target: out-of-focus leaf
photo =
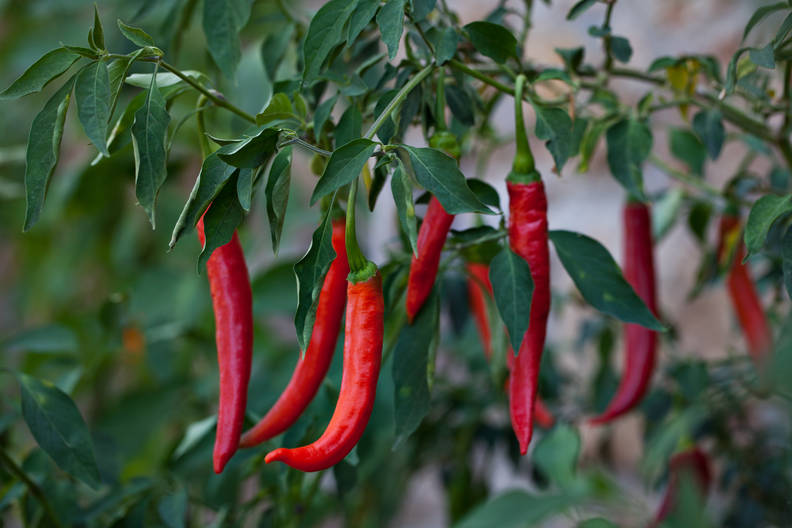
[222, 21]
[492, 40]
[764, 212]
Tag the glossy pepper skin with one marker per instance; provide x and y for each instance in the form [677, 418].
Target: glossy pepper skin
[313, 365]
[528, 239]
[693, 463]
[742, 292]
[423, 269]
[478, 282]
[232, 301]
[640, 343]
[363, 335]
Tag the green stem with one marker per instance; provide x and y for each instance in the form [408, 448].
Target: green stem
[309, 146]
[440, 121]
[400, 97]
[607, 39]
[685, 178]
[34, 488]
[523, 158]
[357, 261]
[462, 67]
[203, 141]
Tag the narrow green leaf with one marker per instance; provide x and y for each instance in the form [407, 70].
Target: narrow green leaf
[49, 67]
[116, 73]
[445, 42]
[360, 18]
[349, 126]
[515, 509]
[492, 40]
[708, 124]
[440, 175]
[97, 33]
[245, 188]
[325, 32]
[279, 111]
[579, 8]
[421, 8]
[256, 148]
[277, 194]
[761, 13]
[59, 429]
[390, 20]
[214, 174]
[92, 94]
[273, 50]
[402, 197]
[222, 21]
[629, 144]
[557, 453]
[221, 220]
[310, 272]
[763, 56]
[555, 126]
[512, 288]
[165, 79]
[786, 260]
[687, 147]
[343, 167]
[764, 213]
[43, 150]
[195, 432]
[599, 279]
[411, 356]
[135, 35]
[149, 134]
[322, 114]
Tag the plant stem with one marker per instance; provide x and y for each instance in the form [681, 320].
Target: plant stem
[441, 100]
[462, 67]
[678, 175]
[34, 488]
[309, 146]
[400, 97]
[357, 261]
[606, 40]
[203, 141]
[523, 158]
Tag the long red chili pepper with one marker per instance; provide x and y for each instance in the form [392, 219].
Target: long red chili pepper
[640, 343]
[478, 282]
[692, 463]
[233, 311]
[742, 292]
[312, 367]
[528, 238]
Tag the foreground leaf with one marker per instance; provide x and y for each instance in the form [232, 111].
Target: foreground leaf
[629, 144]
[221, 220]
[343, 167]
[92, 94]
[512, 288]
[277, 194]
[49, 67]
[325, 32]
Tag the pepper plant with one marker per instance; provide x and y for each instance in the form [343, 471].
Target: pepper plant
[277, 120]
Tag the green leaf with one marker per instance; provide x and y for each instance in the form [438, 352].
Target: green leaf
[666, 211]
[245, 188]
[310, 272]
[764, 213]
[59, 429]
[325, 32]
[214, 174]
[579, 8]
[221, 220]
[708, 124]
[43, 150]
[274, 48]
[254, 149]
[686, 146]
[411, 358]
[629, 144]
[48, 68]
[786, 260]
[440, 175]
[763, 56]
[783, 29]
[277, 194]
[149, 134]
[402, 197]
[135, 35]
[621, 49]
[322, 114]
[761, 13]
[588, 144]
[343, 167]
[195, 432]
[461, 104]
[556, 454]
[421, 8]
[222, 21]
[279, 111]
[485, 192]
[445, 42]
[600, 280]
[165, 79]
[49, 339]
[492, 40]
[92, 94]
[555, 126]
[515, 509]
[172, 508]
[97, 33]
[116, 73]
[597, 522]
[390, 20]
[360, 18]
[349, 126]
[512, 288]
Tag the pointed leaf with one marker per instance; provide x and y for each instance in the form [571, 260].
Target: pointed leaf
[97, 33]
[135, 35]
[390, 20]
[360, 18]
[761, 13]
[555, 126]
[325, 32]
[402, 196]
[50, 66]
[343, 167]
[764, 213]
[253, 150]
[492, 40]
[629, 144]
[92, 94]
[221, 220]
[708, 124]
[579, 8]
[222, 21]
[512, 288]
[277, 194]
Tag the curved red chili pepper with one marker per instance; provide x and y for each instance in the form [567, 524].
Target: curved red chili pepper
[363, 334]
[423, 269]
[744, 297]
[232, 301]
[695, 464]
[528, 238]
[312, 366]
[477, 282]
[640, 343]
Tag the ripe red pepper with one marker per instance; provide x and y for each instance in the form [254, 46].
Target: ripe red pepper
[742, 292]
[692, 463]
[312, 367]
[478, 281]
[640, 343]
[232, 301]
[363, 335]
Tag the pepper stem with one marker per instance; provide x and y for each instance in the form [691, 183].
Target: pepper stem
[523, 159]
[440, 121]
[360, 268]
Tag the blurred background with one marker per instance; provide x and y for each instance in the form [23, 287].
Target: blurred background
[91, 300]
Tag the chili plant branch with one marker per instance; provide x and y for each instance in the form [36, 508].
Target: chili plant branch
[398, 99]
[34, 488]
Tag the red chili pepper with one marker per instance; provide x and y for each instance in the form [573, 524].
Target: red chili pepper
[479, 276]
[232, 301]
[528, 238]
[692, 463]
[312, 367]
[742, 292]
[640, 343]
[423, 269]
[363, 335]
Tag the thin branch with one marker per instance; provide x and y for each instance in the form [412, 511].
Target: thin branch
[34, 488]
